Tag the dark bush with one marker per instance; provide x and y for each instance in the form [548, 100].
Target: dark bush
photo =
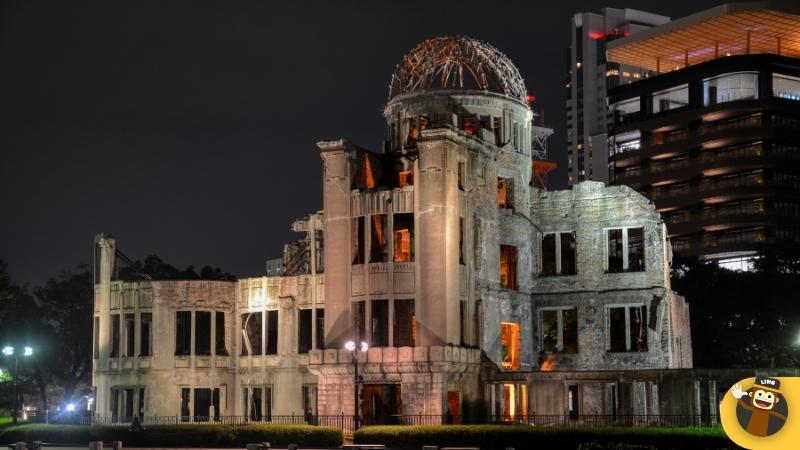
[526, 437]
[205, 435]
[614, 446]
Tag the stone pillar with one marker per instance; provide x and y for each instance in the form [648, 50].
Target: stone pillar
[337, 225]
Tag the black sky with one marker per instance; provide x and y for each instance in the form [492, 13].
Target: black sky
[187, 128]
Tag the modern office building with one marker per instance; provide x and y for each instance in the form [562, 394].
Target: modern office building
[712, 135]
[588, 74]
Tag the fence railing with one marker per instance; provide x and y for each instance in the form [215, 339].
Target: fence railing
[345, 422]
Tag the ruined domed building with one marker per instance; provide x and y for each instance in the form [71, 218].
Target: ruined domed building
[475, 291]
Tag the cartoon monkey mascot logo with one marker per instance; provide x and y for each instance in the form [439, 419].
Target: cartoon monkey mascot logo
[761, 410]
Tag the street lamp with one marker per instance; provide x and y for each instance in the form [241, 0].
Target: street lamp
[350, 346]
[9, 351]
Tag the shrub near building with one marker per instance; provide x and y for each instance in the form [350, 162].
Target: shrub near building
[213, 435]
[520, 436]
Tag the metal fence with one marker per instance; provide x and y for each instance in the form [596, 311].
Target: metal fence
[346, 422]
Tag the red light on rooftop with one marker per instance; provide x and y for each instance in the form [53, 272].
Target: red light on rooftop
[596, 35]
[530, 98]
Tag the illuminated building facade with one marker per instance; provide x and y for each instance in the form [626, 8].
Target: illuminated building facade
[711, 136]
[466, 282]
[588, 76]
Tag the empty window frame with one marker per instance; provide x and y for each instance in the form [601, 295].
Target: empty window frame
[461, 240]
[183, 333]
[185, 400]
[220, 348]
[204, 400]
[272, 332]
[130, 334]
[309, 392]
[627, 328]
[145, 334]
[558, 254]
[320, 323]
[252, 334]
[379, 235]
[359, 320]
[625, 250]
[508, 267]
[96, 339]
[404, 237]
[257, 403]
[560, 330]
[505, 193]
[405, 178]
[509, 345]
[379, 323]
[114, 335]
[357, 240]
[461, 175]
[304, 331]
[202, 333]
[404, 323]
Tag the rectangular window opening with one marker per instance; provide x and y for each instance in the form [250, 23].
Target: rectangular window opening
[251, 334]
[202, 333]
[146, 334]
[220, 349]
[183, 333]
[508, 267]
[404, 237]
[304, 331]
[379, 325]
[114, 335]
[320, 345]
[404, 327]
[509, 345]
[379, 249]
[505, 193]
[272, 332]
[357, 240]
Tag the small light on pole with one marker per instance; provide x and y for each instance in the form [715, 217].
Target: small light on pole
[9, 351]
[350, 346]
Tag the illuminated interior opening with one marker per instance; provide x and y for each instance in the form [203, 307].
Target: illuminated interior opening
[508, 267]
[403, 237]
[405, 178]
[509, 345]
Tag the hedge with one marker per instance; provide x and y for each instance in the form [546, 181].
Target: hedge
[202, 435]
[527, 437]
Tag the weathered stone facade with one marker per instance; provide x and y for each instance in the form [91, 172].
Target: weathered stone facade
[440, 255]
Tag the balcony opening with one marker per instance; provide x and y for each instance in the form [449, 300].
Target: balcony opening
[508, 267]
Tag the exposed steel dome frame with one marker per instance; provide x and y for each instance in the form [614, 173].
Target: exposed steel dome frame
[457, 62]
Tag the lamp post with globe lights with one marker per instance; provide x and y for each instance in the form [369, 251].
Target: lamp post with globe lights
[350, 346]
[9, 351]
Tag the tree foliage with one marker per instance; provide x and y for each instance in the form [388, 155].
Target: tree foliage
[156, 269]
[743, 319]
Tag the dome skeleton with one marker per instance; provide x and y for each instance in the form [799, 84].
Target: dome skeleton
[457, 62]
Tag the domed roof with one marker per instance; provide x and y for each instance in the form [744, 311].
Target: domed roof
[457, 62]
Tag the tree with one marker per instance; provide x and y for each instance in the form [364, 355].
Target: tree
[156, 269]
[66, 310]
[743, 319]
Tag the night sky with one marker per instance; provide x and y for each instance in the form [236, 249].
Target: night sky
[188, 129]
